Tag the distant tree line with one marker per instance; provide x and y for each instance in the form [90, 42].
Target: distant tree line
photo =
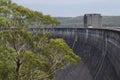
[70, 22]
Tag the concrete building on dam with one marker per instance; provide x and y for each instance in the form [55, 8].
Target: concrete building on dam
[92, 20]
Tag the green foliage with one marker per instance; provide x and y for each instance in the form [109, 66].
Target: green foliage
[32, 56]
[28, 56]
[22, 17]
[5, 22]
[59, 46]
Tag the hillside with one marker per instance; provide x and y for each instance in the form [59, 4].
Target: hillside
[107, 21]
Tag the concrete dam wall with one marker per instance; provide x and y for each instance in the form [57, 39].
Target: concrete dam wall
[99, 50]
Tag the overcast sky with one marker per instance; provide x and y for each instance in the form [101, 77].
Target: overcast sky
[72, 8]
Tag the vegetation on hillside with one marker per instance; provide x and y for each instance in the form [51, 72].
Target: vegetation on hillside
[111, 21]
[71, 22]
[28, 56]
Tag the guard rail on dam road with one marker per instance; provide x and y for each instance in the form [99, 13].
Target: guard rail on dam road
[98, 48]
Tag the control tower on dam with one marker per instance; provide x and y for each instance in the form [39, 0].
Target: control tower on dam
[92, 20]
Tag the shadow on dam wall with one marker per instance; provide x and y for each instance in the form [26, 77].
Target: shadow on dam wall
[99, 50]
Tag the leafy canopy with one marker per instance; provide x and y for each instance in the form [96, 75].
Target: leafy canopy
[28, 56]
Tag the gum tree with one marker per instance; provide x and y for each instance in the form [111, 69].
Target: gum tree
[28, 56]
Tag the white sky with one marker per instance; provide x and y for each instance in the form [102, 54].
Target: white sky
[73, 7]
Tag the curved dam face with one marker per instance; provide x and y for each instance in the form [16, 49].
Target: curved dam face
[99, 50]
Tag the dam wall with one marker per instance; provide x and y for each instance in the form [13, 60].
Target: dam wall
[98, 48]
